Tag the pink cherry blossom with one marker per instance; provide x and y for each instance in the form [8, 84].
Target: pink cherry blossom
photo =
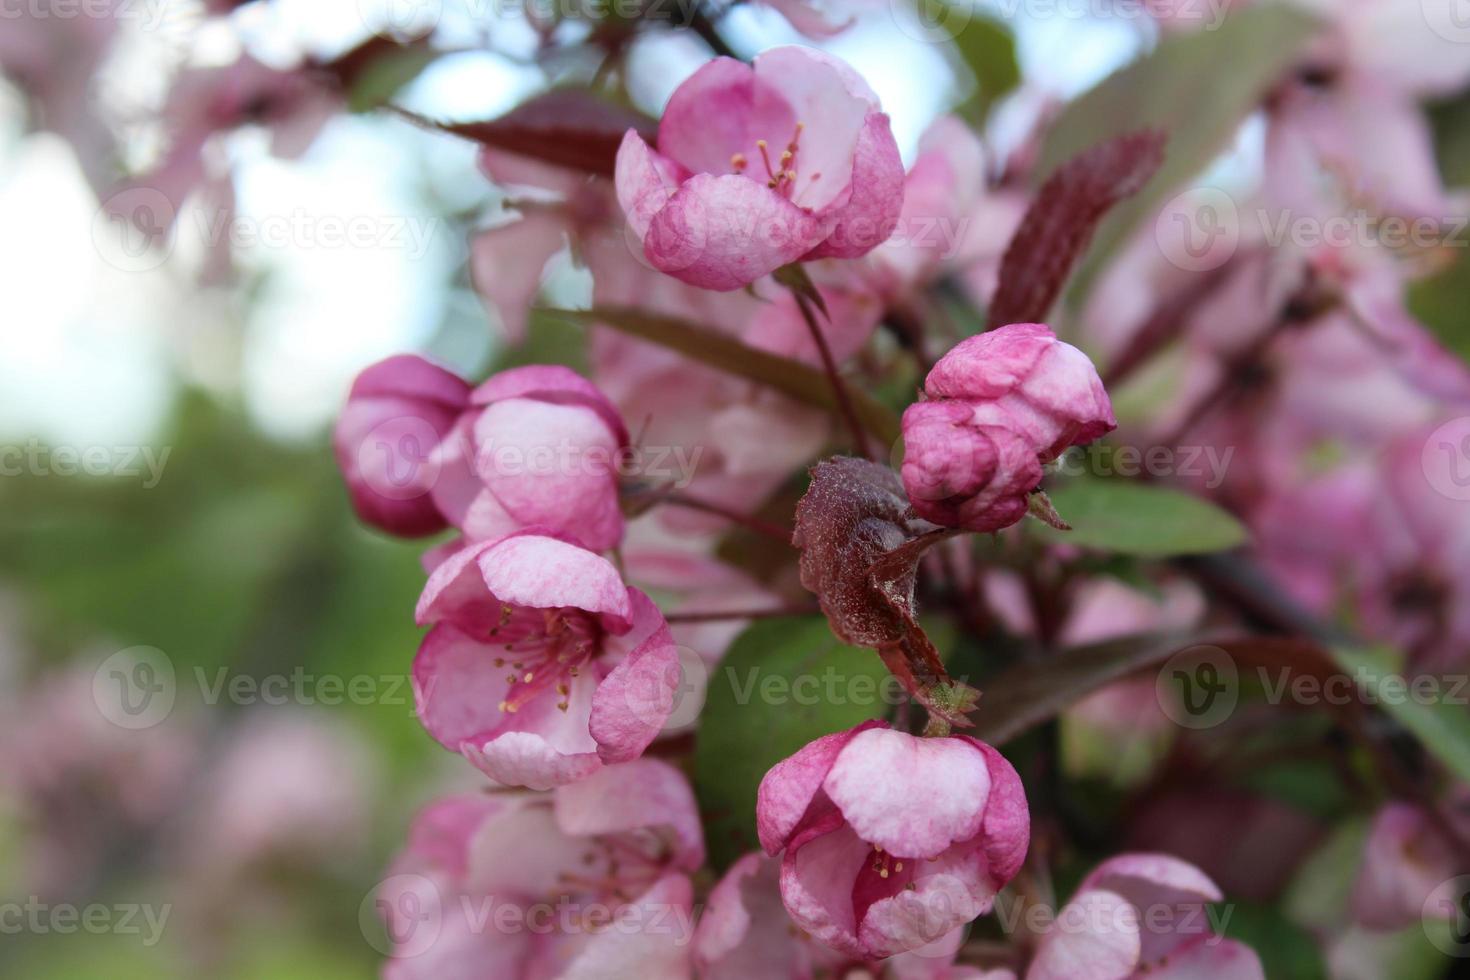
[398, 411]
[542, 665]
[589, 881]
[538, 446]
[1137, 916]
[760, 165]
[891, 840]
[997, 407]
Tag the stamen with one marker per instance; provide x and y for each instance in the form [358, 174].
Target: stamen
[766, 158]
[738, 161]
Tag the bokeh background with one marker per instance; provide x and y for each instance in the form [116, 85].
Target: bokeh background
[170, 513]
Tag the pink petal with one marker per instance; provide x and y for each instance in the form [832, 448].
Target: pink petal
[1095, 937]
[745, 931]
[871, 214]
[643, 794]
[946, 894]
[1211, 959]
[1170, 894]
[551, 383]
[553, 465]
[634, 701]
[650, 939]
[525, 569]
[719, 111]
[911, 796]
[991, 364]
[817, 876]
[457, 688]
[787, 790]
[726, 232]
[1006, 833]
[506, 263]
[645, 181]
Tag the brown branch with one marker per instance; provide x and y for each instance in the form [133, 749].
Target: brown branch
[839, 388]
[748, 521]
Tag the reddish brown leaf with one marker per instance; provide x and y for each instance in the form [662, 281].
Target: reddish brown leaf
[567, 128]
[1061, 221]
[860, 551]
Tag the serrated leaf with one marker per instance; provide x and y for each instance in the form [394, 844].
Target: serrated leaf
[1130, 518]
[783, 683]
[803, 383]
[1198, 87]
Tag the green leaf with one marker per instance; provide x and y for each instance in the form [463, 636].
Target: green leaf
[1198, 87]
[1443, 727]
[384, 76]
[1286, 949]
[805, 384]
[1439, 303]
[784, 683]
[1136, 519]
[988, 49]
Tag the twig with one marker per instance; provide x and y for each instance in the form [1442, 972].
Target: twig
[748, 521]
[839, 388]
[766, 613]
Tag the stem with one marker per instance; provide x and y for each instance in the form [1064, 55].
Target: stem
[767, 613]
[839, 389]
[763, 527]
[702, 22]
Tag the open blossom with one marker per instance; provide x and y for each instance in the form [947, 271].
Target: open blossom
[533, 446]
[759, 165]
[892, 840]
[589, 881]
[1136, 916]
[542, 665]
[997, 407]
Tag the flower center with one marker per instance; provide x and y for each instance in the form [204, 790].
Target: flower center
[618, 867]
[545, 649]
[781, 176]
